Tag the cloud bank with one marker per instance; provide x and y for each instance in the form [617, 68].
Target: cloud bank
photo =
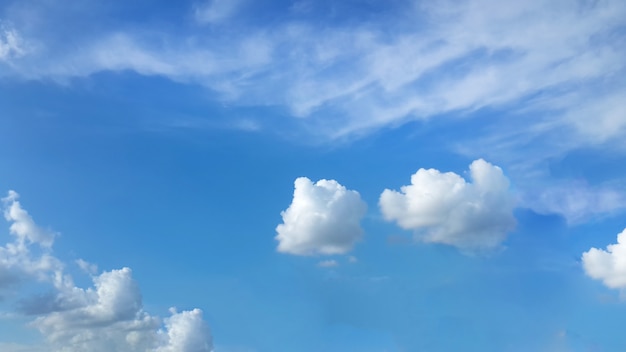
[323, 218]
[108, 316]
[608, 265]
[444, 208]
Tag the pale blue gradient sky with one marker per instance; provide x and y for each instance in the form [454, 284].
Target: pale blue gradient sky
[166, 137]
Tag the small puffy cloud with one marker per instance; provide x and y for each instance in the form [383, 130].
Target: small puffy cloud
[608, 265]
[323, 218]
[445, 208]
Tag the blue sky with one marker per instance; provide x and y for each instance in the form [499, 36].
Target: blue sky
[239, 176]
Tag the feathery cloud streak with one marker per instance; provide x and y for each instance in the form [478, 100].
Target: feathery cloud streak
[440, 57]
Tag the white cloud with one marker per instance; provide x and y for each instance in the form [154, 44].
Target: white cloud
[608, 265]
[23, 226]
[444, 208]
[185, 332]
[108, 316]
[450, 56]
[16, 258]
[323, 218]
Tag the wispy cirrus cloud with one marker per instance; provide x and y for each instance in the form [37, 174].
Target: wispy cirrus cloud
[551, 75]
[460, 56]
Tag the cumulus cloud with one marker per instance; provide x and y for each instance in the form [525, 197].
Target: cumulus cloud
[608, 265]
[107, 316]
[445, 208]
[185, 331]
[323, 218]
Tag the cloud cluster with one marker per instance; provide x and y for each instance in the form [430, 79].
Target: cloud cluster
[444, 208]
[108, 316]
[608, 265]
[323, 218]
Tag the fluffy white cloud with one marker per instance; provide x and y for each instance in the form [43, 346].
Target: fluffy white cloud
[608, 265]
[444, 208]
[185, 332]
[323, 218]
[108, 316]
